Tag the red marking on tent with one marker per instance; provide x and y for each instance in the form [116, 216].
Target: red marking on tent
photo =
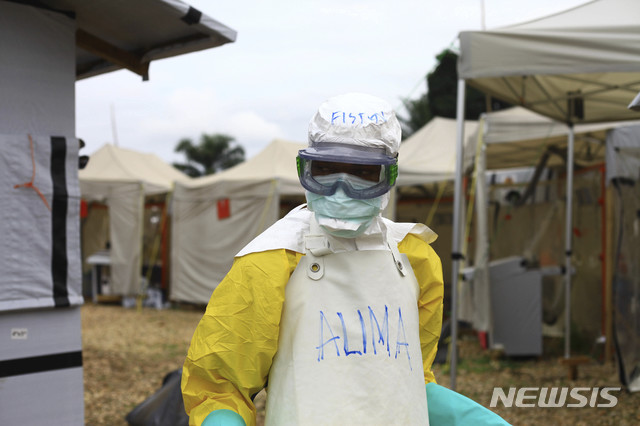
[483, 337]
[84, 209]
[224, 209]
[33, 177]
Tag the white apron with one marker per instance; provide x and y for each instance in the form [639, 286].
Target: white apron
[349, 346]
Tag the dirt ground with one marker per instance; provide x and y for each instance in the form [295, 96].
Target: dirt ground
[127, 353]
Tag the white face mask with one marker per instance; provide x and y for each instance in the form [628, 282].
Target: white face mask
[341, 215]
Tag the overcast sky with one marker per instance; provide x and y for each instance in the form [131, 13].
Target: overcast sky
[289, 56]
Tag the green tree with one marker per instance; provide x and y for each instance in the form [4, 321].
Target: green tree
[213, 153]
[418, 114]
[441, 97]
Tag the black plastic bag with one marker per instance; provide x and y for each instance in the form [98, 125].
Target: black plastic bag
[163, 408]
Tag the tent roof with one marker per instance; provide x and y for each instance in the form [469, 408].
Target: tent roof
[113, 166]
[590, 53]
[116, 34]
[276, 161]
[517, 137]
[429, 155]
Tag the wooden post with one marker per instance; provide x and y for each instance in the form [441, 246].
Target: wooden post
[572, 365]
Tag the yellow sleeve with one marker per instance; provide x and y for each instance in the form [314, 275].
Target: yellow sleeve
[428, 270]
[234, 344]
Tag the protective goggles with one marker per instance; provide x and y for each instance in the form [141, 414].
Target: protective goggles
[363, 174]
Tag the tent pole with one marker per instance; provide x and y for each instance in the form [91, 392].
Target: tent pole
[482, 294]
[457, 210]
[610, 265]
[567, 244]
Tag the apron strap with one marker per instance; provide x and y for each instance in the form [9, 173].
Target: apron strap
[397, 259]
[316, 246]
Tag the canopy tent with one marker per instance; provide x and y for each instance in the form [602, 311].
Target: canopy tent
[577, 66]
[429, 154]
[215, 216]
[517, 137]
[111, 35]
[122, 178]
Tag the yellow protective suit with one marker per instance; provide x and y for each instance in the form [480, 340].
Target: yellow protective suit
[234, 344]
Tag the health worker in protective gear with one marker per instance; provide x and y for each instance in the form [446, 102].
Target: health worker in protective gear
[334, 309]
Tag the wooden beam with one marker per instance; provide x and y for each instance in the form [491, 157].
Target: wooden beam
[111, 53]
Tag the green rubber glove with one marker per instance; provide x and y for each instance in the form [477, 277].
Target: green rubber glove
[223, 418]
[447, 407]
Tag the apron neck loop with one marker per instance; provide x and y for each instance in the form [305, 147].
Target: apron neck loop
[316, 241]
[316, 247]
[393, 246]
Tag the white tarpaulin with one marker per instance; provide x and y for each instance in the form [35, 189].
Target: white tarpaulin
[121, 178]
[215, 216]
[39, 247]
[210, 225]
[40, 262]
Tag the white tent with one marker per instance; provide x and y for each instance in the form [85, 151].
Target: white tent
[215, 216]
[581, 65]
[429, 154]
[121, 178]
[276, 161]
